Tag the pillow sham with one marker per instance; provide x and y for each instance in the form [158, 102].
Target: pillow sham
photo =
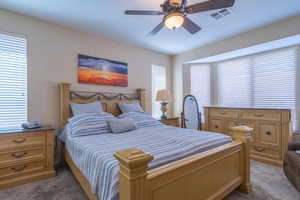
[130, 107]
[86, 108]
[141, 119]
[89, 124]
[121, 125]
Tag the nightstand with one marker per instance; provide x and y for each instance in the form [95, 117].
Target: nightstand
[172, 121]
[26, 156]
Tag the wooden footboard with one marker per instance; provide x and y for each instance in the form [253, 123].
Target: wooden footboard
[209, 175]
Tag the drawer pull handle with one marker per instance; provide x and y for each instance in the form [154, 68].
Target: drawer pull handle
[259, 114]
[216, 126]
[223, 113]
[19, 169]
[269, 133]
[240, 124]
[259, 149]
[18, 141]
[19, 155]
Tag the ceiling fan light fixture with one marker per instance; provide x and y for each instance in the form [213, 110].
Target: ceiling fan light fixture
[174, 20]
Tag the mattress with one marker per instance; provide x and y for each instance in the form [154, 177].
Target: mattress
[93, 154]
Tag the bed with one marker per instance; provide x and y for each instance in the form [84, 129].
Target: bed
[197, 171]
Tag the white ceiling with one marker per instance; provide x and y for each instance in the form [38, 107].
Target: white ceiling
[268, 46]
[106, 17]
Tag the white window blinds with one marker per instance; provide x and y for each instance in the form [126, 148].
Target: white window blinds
[200, 85]
[274, 79]
[158, 83]
[13, 84]
[234, 82]
[266, 80]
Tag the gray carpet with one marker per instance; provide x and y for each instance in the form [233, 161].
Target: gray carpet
[269, 183]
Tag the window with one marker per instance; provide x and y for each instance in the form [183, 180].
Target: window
[266, 80]
[234, 82]
[274, 79]
[13, 84]
[200, 85]
[158, 83]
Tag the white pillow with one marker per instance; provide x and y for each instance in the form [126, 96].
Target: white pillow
[86, 108]
[141, 119]
[122, 125]
[130, 107]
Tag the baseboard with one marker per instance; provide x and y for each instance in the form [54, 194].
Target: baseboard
[26, 179]
[276, 163]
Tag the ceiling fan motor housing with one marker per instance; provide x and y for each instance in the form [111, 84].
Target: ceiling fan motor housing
[171, 6]
[176, 3]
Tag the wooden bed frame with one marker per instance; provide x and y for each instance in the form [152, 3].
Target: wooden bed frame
[209, 175]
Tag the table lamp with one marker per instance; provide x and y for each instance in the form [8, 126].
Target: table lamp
[163, 96]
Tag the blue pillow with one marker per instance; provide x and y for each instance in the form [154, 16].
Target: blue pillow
[121, 125]
[86, 108]
[130, 107]
[141, 119]
[89, 124]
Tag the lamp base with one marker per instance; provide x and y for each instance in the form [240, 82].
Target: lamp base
[163, 110]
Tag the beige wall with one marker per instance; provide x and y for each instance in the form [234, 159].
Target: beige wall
[52, 58]
[285, 28]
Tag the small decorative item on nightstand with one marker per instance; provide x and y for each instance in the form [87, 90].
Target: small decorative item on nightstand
[164, 96]
[26, 155]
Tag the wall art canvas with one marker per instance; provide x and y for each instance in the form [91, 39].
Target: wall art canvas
[92, 70]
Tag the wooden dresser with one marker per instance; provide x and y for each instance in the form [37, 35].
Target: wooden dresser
[26, 156]
[174, 121]
[272, 129]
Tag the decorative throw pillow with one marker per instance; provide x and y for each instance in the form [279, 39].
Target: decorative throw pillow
[130, 107]
[121, 125]
[141, 119]
[90, 124]
[86, 108]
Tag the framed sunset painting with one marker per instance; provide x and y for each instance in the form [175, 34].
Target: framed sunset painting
[101, 71]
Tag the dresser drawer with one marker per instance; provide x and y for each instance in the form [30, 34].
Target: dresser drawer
[266, 152]
[269, 134]
[234, 123]
[17, 156]
[224, 113]
[217, 126]
[171, 122]
[20, 169]
[262, 115]
[19, 141]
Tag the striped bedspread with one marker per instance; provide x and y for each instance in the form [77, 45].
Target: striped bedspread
[93, 154]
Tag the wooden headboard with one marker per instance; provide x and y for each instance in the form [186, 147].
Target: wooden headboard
[108, 100]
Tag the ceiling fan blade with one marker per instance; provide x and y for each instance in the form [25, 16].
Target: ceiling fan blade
[190, 26]
[156, 29]
[209, 5]
[142, 12]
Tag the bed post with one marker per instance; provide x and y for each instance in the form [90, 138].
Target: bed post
[142, 96]
[133, 174]
[243, 134]
[64, 103]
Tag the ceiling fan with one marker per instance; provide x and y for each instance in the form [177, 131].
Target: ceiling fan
[175, 13]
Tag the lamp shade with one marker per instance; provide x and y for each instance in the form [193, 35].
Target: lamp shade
[163, 95]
